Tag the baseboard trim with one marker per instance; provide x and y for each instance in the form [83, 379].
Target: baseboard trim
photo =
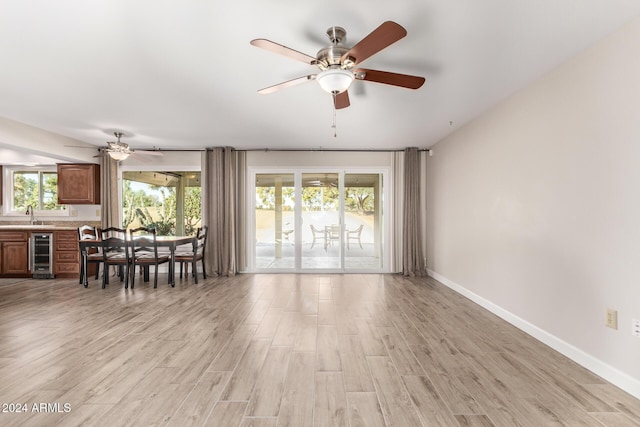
[598, 367]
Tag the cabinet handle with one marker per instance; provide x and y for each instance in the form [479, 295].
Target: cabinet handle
[31, 258]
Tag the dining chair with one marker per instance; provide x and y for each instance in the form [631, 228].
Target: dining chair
[195, 255]
[355, 235]
[91, 255]
[115, 251]
[144, 253]
[317, 235]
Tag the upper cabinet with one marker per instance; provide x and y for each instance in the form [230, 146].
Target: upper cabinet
[78, 184]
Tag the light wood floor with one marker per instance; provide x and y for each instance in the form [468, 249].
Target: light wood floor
[296, 350]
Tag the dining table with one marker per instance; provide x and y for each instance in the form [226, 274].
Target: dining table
[170, 242]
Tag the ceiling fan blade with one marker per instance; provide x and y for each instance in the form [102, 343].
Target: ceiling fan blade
[395, 79]
[282, 50]
[80, 146]
[141, 157]
[148, 152]
[288, 83]
[341, 100]
[386, 34]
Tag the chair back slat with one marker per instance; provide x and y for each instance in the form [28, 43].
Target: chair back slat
[143, 240]
[87, 232]
[114, 243]
[200, 243]
[144, 246]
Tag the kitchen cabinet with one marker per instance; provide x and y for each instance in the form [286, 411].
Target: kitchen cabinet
[66, 254]
[14, 254]
[78, 184]
[1, 176]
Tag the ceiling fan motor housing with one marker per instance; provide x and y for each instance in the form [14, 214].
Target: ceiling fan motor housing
[330, 57]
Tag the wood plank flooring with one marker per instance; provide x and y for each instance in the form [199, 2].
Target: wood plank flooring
[282, 350]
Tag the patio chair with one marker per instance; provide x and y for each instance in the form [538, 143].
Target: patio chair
[317, 235]
[355, 235]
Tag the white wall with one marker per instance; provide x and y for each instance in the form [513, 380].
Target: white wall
[319, 159]
[21, 143]
[534, 208]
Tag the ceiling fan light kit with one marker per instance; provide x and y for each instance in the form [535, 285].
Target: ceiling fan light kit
[118, 150]
[118, 155]
[335, 80]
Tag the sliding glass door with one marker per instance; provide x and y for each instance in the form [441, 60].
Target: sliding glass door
[363, 221]
[274, 221]
[317, 220]
[321, 237]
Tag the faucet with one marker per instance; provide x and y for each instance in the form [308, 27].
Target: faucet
[29, 211]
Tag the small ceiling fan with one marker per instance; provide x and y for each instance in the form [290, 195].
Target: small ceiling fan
[120, 150]
[338, 63]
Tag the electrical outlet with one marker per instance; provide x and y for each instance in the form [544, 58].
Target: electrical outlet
[635, 331]
[612, 318]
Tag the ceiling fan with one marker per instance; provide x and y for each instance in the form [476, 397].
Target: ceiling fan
[120, 150]
[338, 63]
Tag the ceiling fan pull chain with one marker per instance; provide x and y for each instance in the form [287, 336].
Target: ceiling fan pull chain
[335, 132]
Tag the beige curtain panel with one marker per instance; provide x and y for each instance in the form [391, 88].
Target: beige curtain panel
[219, 210]
[110, 207]
[412, 254]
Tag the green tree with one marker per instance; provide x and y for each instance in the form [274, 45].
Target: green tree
[50, 191]
[135, 204]
[165, 225]
[265, 198]
[192, 209]
[25, 190]
[359, 199]
[156, 206]
[320, 198]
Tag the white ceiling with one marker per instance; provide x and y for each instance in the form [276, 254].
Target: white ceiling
[182, 74]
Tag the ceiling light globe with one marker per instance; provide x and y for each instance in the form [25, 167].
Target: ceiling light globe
[335, 80]
[118, 155]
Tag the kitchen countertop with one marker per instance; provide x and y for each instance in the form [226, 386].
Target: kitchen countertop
[37, 227]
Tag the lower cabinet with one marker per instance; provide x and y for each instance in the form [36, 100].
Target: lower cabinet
[14, 254]
[66, 255]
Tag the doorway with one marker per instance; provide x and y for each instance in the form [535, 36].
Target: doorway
[318, 221]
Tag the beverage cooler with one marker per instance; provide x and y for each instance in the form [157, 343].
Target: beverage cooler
[41, 259]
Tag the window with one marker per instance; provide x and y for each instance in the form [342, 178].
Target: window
[36, 187]
[168, 201]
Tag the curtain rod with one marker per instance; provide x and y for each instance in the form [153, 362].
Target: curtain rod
[266, 150]
[332, 150]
